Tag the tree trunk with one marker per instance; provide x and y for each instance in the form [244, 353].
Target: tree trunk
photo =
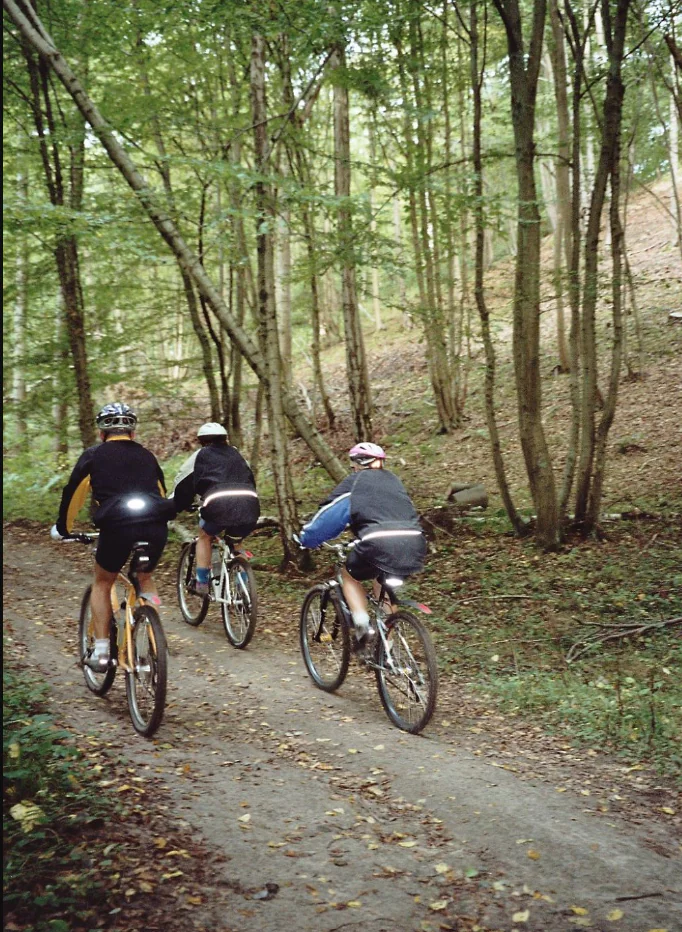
[356, 361]
[268, 331]
[35, 34]
[526, 314]
[19, 319]
[500, 473]
[609, 154]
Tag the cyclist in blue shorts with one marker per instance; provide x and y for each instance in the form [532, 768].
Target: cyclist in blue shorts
[374, 504]
[220, 476]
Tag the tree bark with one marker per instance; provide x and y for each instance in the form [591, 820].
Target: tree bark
[500, 472]
[356, 360]
[526, 314]
[268, 330]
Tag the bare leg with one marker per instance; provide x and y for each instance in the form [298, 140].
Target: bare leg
[100, 601]
[147, 584]
[354, 592]
[203, 549]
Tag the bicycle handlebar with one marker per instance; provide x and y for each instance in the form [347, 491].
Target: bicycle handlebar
[80, 539]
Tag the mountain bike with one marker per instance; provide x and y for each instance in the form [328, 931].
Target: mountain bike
[138, 644]
[400, 652]
[232, 586]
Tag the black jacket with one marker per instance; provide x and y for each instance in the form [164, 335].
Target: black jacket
[113, 470]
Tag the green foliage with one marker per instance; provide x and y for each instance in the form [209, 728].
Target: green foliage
[48, 804]
[32, 486]
[640, 716]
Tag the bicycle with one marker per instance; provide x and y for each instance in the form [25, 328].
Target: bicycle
[138, 644]
[232, 585]
[401, 653]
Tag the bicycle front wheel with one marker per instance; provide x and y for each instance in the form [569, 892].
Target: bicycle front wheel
[325, 641]
[192, 606]
[239, 602]
[407, 672]
[98, 683]
[146, 681]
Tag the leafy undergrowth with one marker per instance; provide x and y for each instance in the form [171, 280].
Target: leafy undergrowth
[82, 849]
[505, 617]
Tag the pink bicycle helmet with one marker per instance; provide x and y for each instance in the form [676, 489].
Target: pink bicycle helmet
[364, 453]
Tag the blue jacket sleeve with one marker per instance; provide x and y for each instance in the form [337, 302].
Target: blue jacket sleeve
[330, 521]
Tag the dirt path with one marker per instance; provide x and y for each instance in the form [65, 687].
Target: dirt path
[328, 817]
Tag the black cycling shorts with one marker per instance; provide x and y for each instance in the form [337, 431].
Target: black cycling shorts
[396, 556]
[116, 543]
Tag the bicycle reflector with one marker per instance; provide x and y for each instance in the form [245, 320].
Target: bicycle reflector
[136, 504]
[394, 582]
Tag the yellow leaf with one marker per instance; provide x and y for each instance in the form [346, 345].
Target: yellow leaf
[372, 846]
[561, 789]
[579, 910]
[122, 789]
[437, 905]
[615, 915]
[353, 904]
[145, 886]
[14, 750]
[245, 818]
[667, 810]
[276, 844]
[521, 916]
[584, 792]
[378, 747]
[193, 900]
[442, 868]
[533, 855]
[160, 842]
[407, 844]
[27, 814]
[352, 750]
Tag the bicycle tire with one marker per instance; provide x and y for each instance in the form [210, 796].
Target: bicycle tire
[240, 617]
[193, 607]
[324, 636]
[410, 672]
[146, 682]
[97, 683]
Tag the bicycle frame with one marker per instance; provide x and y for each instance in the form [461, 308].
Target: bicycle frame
[127, 604]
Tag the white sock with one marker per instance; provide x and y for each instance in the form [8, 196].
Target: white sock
[361, 620]
[101, 647]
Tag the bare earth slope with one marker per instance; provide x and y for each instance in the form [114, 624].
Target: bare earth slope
[353, 824]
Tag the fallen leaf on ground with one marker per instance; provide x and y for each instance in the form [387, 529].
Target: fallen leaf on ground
[521, 916]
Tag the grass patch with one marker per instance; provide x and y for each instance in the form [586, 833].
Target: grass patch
[639, 716]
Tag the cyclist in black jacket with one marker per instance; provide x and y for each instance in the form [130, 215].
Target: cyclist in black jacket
[220, 476]
[374, 503]
[128, 488]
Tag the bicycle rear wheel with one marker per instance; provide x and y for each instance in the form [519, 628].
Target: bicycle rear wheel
[407, 672]
[192, 606]
[325, 641]
[98, 683]
[146, 682]
[240, 612]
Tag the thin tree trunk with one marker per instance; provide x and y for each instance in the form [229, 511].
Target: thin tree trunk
[356, 360]
[500, 472]
[269, 336]
[19, 319]
[376, 305]
[524, 73]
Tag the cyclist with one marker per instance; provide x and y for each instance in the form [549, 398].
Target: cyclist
[128, 488]
[220, 476]
[373, 502]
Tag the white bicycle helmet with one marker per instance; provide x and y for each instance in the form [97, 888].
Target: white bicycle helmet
[211, 429]
[365, 453]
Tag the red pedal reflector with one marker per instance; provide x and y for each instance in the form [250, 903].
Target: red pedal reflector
[248, 554]
[424, 608]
